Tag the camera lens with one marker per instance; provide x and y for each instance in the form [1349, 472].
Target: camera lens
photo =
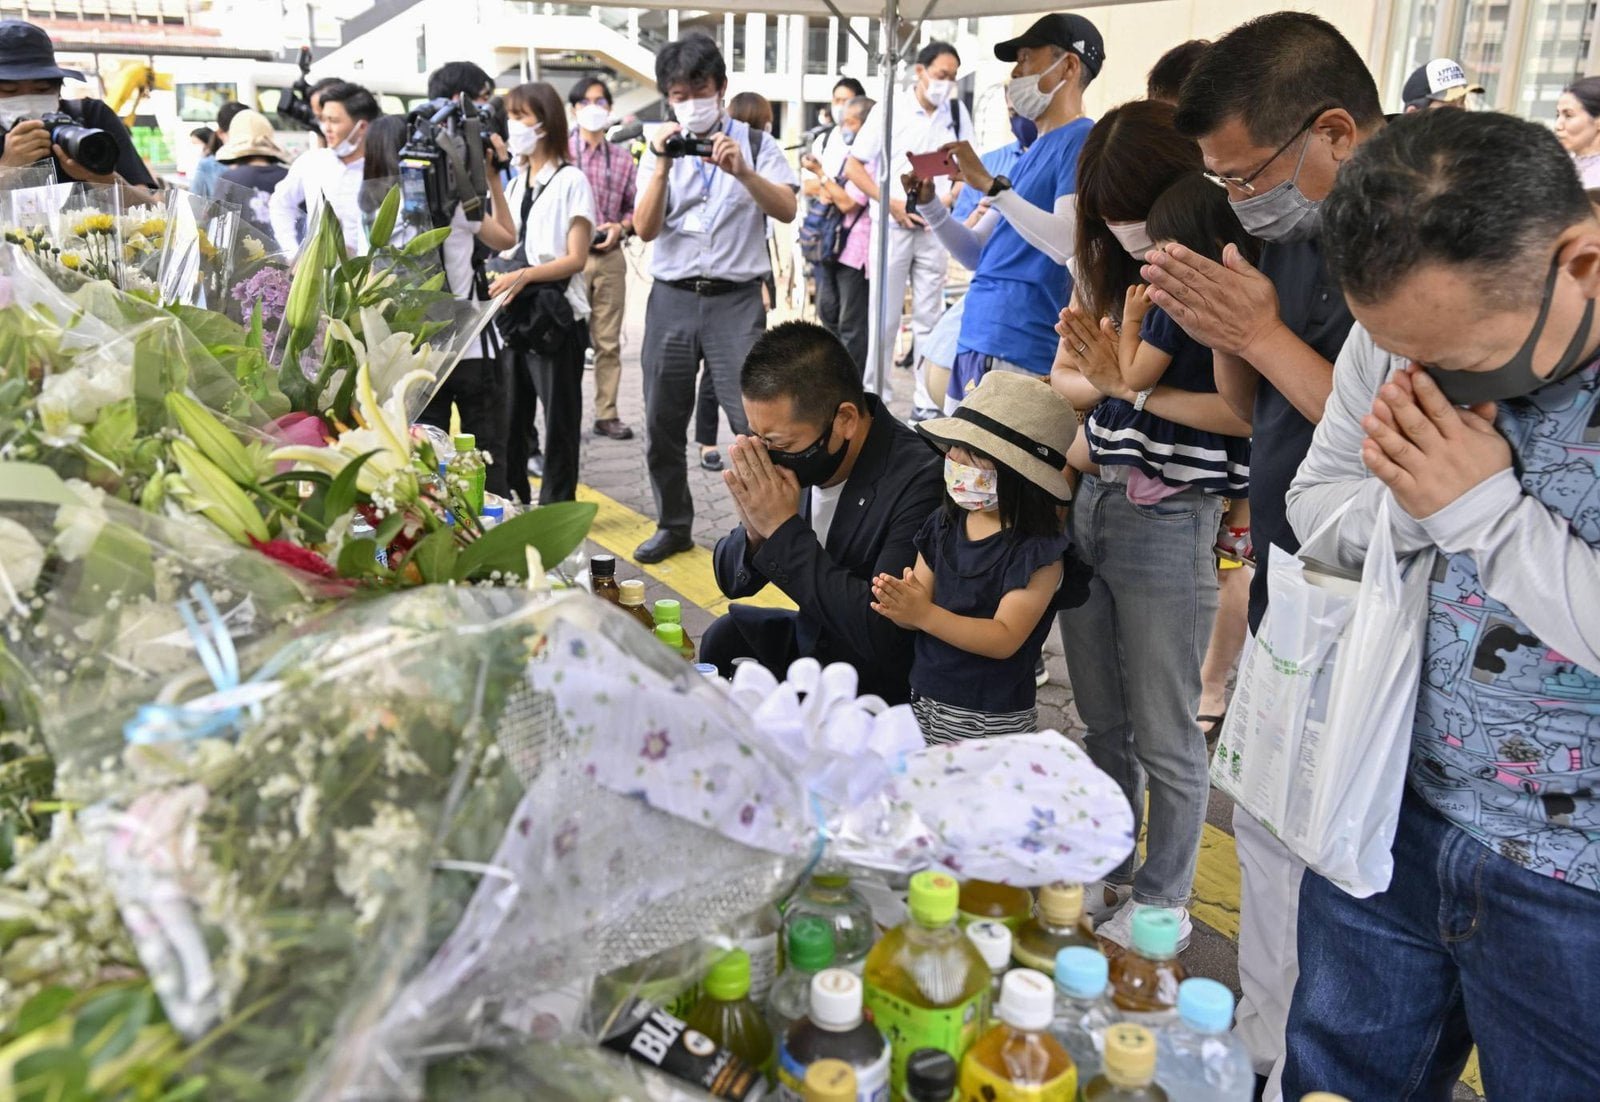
[94, 149]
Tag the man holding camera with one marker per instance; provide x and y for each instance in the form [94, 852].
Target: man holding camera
[706, 187]
[39, 124]
[332, 175]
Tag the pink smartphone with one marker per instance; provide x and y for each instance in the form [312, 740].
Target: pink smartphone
[929, 165]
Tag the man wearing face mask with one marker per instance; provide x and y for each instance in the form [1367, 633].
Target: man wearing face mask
[925, 120]
[1468, 397]
[30, 88]
[1277, 105]
[1018, 252]
[707, 216]
[332, 175]
[831, 491]
[999, 161]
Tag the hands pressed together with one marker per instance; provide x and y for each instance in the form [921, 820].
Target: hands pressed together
[903, 600]
[765, 494]
[1427, 451]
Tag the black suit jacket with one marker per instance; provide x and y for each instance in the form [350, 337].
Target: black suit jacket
[897, 482]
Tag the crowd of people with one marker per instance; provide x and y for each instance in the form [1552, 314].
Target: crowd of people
[1248, 307]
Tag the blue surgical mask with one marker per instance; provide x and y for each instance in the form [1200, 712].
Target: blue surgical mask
[1026, 131]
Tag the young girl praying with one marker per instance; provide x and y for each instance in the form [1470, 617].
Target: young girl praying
[989, 562]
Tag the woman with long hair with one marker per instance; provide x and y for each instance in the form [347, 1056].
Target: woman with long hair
[552, 207]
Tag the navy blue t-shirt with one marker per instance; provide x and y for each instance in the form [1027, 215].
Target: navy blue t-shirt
[969, 578]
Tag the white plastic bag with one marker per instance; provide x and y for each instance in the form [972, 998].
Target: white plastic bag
[1318, 734]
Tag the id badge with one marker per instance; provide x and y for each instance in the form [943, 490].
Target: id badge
[694, 221]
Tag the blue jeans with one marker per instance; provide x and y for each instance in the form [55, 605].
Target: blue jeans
[1134, 650]
[1465, 946]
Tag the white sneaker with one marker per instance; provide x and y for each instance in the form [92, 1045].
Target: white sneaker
[1103, 899]
[1118, 930]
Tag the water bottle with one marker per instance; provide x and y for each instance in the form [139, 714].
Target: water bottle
[1083, 1009]
[1197, 1058]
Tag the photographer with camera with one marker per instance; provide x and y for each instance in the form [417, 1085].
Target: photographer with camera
[332, 175]
[706, 187]
[83, 137]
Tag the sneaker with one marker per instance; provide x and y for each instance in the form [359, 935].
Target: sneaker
[1118, 930]
[1102, 899]
[1041, 676]
[924, 413]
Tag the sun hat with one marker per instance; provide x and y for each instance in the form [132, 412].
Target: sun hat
[26, 53]
[251, 135]
[1017, 420]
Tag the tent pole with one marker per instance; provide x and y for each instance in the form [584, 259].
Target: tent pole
[889, 41]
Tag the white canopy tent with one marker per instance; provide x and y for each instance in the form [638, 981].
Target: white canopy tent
[894, 14]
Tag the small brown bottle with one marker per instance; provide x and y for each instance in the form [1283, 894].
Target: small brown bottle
[603, 578]
[632, 601]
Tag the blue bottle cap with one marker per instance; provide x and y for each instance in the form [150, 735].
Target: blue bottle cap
[1205, 1005]
[706, 668]
[494, 512]
[1081, 972]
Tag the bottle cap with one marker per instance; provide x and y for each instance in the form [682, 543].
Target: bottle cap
[603, 566]
[1205, 1005]
[1027, 1000]
[1130, 1057]
[1061, 904]
[835, 999]
[810, 943]
[1081, 972]
[494, 512]
[465, 442]
[829, 1081]
[993, 940]
[670, 634]
[932, 899]
[707, 669]
[1155, 933]
[632, 592]
[668, 612]
[930, 1075]
[729, 978]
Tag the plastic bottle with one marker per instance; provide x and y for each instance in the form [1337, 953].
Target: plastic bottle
[1057, 922]
[757, 934]
[1144, 982]
[993, 940]
[727, 1016]
[672, 636]
[630, 595]
[652, 1036]
[1130, 1068]
[835, 1029]
[931, 1076]
[671, 612]
[926, 982]
[494, 514]
[603, 578]
[1083, 1009]
[829, 1081]
[1197, 1059]
[829, 895]
[809, 941]
[467, 465]
[1018, 1059]
[982, 899]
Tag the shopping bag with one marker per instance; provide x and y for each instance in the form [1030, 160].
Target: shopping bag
[1319, 731]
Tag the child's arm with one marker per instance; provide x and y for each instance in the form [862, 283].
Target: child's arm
[1142, 364]
[908, 601]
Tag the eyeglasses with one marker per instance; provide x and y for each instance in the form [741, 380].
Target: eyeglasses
[1246, 184]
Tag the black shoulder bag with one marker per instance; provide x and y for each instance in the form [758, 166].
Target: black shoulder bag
[539, 319]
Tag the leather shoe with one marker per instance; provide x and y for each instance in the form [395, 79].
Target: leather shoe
[663, 545]
[711, 459]
[614, 428]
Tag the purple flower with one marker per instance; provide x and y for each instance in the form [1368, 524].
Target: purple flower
[1039, 769]
[269, 287]
[656, 745]
[1030, 844]
[747, 815]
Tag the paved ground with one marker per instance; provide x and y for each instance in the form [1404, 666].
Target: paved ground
[614, 474]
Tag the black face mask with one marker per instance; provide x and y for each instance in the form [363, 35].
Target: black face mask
[814, 465]
[1516, 379]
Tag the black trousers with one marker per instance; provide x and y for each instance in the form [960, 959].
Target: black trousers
[826, 277]
[480, 390]
[557, 381]
[765, 634]
[854, 325]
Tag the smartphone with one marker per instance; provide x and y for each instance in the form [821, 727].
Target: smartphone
[929, 165]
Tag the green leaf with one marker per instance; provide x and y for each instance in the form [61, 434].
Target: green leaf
[52, 1075]
[425, 243]
[32, 482]
[108, 1024]
[389, 529]
[319, 478]
[42, 1009]
[213, 330]
[115, 431]
[383, 221]
[434, 282]
[342, 493]
[257, 340]
[358, 558]
[435, 556]
[554, 530]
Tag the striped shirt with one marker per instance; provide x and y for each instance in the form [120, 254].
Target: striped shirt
[611, 176]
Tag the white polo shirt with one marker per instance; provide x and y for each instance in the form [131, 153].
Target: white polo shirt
[916, 130]
[566, 197]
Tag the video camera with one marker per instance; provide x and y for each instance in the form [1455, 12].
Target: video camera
[442, 164]
[294, 102]
[687, 145]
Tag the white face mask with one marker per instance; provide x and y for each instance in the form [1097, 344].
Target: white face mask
[348, 147]
[593, 118]
[1133, 237]
[1025, 97]
[698, 116]
[522, 139]
[13, 109]
[939, 91]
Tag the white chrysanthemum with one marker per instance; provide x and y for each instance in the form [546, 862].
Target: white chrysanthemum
[21, 560]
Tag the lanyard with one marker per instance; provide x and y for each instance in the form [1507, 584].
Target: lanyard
[708, 172]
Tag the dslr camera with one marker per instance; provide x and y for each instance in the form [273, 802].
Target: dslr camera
[686, 145]
[90, 146]
[442, 164]
[294, 102]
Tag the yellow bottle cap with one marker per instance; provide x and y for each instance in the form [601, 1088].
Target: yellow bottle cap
[1130, 1055]
[830, 1081]
[1061, 904]
[632, 592]
[933, 898]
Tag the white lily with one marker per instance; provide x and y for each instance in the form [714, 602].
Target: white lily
[385, 430]
[388, 354]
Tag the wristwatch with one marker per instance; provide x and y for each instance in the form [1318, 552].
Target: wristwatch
[1141, 398]
[1000, 184]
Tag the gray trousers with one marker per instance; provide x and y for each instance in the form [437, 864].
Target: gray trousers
[681, 329]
